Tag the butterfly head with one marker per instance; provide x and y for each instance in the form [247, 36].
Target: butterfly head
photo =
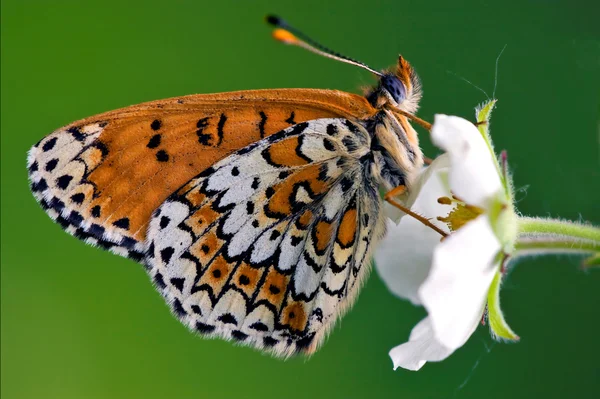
[398, 88]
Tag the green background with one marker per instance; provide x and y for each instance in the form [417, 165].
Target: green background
[79, 322]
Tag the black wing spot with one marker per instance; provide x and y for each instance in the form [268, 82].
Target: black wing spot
[196, 309]
[228, 318]
[203, 138]
[284, 174]
[49, 144]
[262, 123]
[78, 198]
[63, 181]
[351, 126]
[96, 230]
[235, 171]
[162, 156]
[258, 326]
[204, 328]
[255, 223]
[273, 289]
[178, 283]
[238, 335]
[154, 141]
[328, 144]
[75, 218]
[274, 235]
[255, 183]
[156, 124]
[51, 164]
[250, 207]
[178, 308]
[96, 211]
[332, 129]
[39, 186]
[76, 133]
[122, 223]
[202, 123]
[220, 127]
[166, 254]
[295, 241]
[305, 342]
[158, 280]
[346, 184]
[291, 120]
[269, 192]
[323, 169]
[164, 221]
[244, 280]
[349, 144]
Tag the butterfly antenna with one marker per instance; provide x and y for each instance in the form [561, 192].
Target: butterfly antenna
[290, 35]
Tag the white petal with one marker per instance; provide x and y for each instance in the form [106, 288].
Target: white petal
[473, 174]
[430, 185]
[455, 292]
[403, 257]
[434, 179]
[421, 347]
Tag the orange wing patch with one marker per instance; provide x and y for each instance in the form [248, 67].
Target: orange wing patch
[200, 220]
[216, 275]
[322, 236]
[280, 203]
[285, 153]
[206, 247]
[274, 288]
[247, 278]
[294, 316]
[347, 229]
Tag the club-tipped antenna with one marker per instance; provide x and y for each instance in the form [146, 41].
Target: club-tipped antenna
[290, 35]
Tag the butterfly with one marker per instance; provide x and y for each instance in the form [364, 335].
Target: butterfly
[254, 212]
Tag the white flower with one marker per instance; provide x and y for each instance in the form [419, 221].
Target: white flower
[463, 192]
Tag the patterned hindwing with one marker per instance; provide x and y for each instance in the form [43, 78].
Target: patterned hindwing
[269, 245]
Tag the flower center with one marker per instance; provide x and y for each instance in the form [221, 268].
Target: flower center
[460, 215]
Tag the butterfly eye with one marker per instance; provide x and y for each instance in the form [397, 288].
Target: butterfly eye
[389, 88]
[394, 87]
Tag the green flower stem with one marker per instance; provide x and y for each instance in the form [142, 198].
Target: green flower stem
[551, 245]
[572, 230]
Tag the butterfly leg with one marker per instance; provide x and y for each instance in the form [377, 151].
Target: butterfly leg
[399, 190]
[394, 192]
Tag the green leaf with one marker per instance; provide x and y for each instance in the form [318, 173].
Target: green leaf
[483, 113]
[498, 326]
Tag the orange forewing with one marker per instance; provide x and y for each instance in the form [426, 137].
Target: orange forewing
[154, 148]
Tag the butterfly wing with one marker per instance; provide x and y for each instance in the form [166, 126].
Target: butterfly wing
[269, 246]
[102, 177]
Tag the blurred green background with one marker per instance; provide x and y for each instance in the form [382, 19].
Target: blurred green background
[78, 322]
